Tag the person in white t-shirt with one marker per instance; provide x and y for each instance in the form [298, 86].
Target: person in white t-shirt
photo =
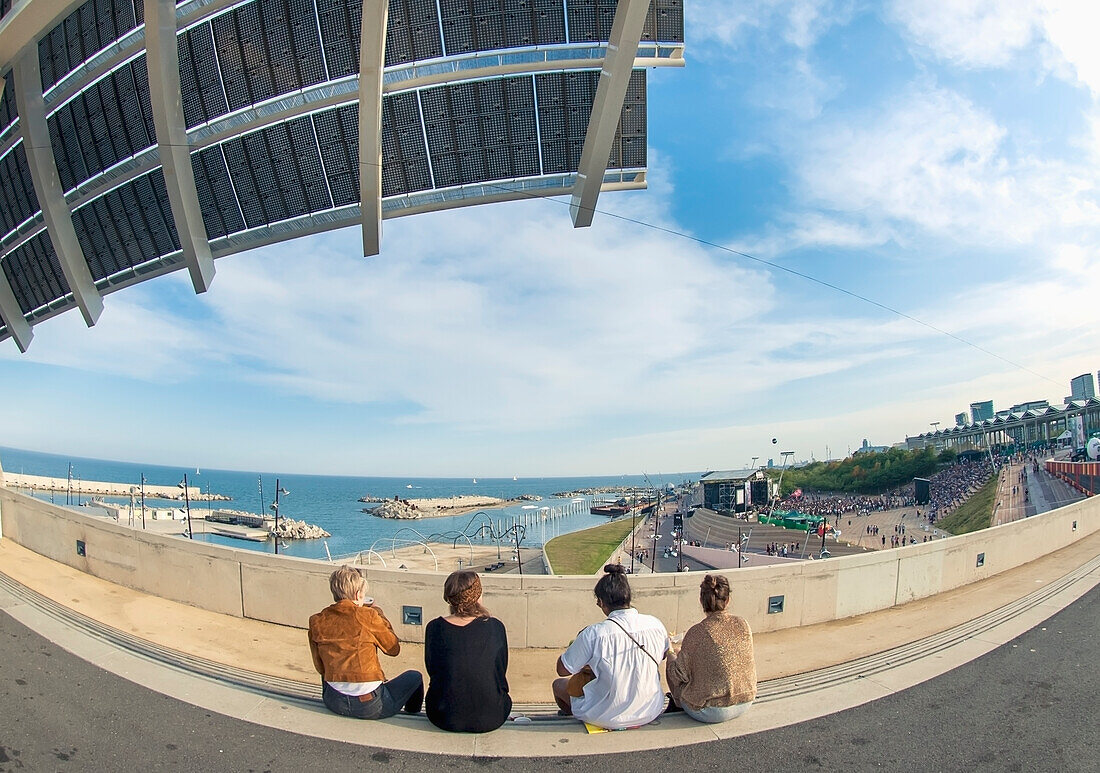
[620, 656]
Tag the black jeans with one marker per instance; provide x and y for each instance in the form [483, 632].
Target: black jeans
[405, 691]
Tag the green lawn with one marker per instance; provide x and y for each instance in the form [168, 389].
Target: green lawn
[975, 513]
[584, 552]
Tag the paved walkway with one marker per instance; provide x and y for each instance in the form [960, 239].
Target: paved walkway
[261, 672]
[1027, 705]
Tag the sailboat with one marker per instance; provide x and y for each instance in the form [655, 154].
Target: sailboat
[513, 477]
[475, 480]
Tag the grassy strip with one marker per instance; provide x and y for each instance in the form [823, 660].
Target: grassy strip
[975, 513]
[584, 552]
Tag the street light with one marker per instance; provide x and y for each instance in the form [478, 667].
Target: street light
[275, 506]
[187, 499]
[143, 500]
[779, 492]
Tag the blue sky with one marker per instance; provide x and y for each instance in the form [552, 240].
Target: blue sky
[941, 158]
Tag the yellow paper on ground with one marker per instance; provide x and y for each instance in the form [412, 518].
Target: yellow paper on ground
[592, 729]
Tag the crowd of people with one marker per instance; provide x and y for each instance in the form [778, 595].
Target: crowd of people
[609, 676]
[948, 488]
[953, 485]
[810, 503]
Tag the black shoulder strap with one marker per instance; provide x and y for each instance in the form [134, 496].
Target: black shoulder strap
[640, 645]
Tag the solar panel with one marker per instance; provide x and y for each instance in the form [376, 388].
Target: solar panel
[78, 110]
[231, 61]
[164, 231]
[73, 41]
[340, 25]
[338, 134]
[457, 20]
[308, 161]
[306, 45]
[127, 251]
[412, 31]
[404, 163]
[219, 209]
[670, 20]
[35, 274]
[200, 81]
[241, 172]
[488, 30]
[92, 240]
[260, 160]
[17, 197]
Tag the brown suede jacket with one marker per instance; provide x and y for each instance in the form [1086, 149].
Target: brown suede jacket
[344, 640]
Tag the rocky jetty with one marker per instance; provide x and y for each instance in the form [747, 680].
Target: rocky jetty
[397, 509]
[291, 529]
[371, 499]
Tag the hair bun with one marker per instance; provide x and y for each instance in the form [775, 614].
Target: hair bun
[615, 569]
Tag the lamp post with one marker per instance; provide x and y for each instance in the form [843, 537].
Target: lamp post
[633, 525]
[775, 502]
[143, 500]
[275, 506]
[187, 500]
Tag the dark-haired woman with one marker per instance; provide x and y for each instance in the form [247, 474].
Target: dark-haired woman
[713, 676]
[622, 655]
[466, 655]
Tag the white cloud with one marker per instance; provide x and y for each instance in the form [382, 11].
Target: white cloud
[993, 33]
[977, 33]
[934, 163]
[798, 23]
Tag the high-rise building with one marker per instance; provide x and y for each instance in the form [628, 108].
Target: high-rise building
[981, 411]
[1082, 387]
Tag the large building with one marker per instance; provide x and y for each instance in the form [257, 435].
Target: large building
[981, 411]
[139, 138]
[1082, 387]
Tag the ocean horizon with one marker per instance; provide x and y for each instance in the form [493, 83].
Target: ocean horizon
[331, 501]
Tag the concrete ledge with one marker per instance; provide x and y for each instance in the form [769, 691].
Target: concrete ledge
[538, 611]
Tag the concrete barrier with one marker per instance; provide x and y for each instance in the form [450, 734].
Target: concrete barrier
[538, 611]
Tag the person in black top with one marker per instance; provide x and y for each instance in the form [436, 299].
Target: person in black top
[466, 655]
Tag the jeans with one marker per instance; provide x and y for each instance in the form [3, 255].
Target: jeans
[403, 691]
[714, 714]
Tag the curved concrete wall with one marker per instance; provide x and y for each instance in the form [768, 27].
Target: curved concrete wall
[538, 611]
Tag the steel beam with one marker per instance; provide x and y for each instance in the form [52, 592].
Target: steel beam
[14, 320]
[47, 185]
[372, 62]
[626, 33]
[162, 59]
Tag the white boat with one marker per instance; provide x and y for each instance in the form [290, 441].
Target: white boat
[475, 480]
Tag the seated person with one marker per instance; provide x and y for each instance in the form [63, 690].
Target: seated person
[344, 640]
[620, 656]
[713, 676]
[466, 654]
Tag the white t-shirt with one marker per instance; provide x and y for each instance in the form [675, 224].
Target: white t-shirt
[627, 689]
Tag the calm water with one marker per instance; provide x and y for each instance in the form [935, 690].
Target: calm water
[331, 501]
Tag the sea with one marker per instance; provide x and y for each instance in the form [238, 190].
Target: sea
[331, 501]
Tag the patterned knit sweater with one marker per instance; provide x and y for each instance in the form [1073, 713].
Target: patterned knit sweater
[715, 665]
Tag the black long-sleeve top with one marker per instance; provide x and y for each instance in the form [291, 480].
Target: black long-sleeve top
[467, 665]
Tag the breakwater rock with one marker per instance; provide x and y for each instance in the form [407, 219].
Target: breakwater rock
[291, 529]
[397, 509]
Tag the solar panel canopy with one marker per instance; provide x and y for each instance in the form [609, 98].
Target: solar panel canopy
[122, 168]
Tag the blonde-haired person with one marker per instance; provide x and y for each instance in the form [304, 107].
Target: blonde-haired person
[466, 655]
[713, 676]
[344, 640]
